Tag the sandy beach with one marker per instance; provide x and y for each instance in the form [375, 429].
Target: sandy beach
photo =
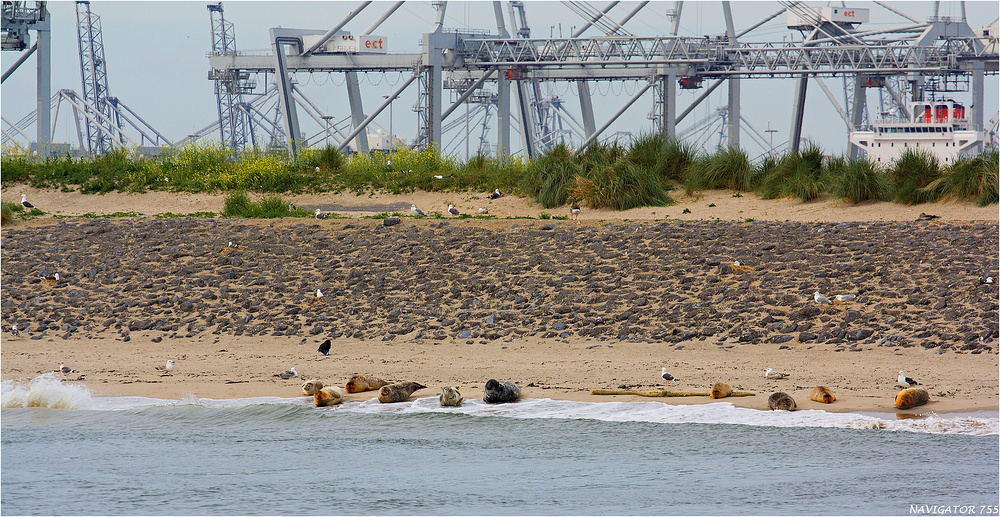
[561, 307]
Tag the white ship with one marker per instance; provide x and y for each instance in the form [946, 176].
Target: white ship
[938, 127]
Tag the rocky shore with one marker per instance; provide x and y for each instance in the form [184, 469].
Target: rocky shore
[918, 284]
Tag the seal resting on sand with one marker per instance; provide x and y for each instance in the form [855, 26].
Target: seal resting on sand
[450, 396]
[911, 397]
[310, 387]
[360, 383]
[398, 392]
[822, 394]
[328, 397]
[781, 400]
[721, 390]
[498, 392]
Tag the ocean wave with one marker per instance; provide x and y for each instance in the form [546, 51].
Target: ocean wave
[48, 391]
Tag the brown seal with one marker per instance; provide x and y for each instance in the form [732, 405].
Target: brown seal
[450, 396]
[721, 390]
[310, 387]
[360, 383]
[822, 394]
[911, 397]
[398, 392]
[328, 397]
[781, 400]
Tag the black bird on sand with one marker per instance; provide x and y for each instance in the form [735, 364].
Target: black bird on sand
[324, 348]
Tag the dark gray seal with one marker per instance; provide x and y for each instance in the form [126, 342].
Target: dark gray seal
[781, 400]
[398, 392]
[498, 392]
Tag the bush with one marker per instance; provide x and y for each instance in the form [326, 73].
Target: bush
[728, 168]
[911, 174]
[547, 178]
[856, 180]
[238, 204]
[797, 174]
[967, 179]
[621, 185]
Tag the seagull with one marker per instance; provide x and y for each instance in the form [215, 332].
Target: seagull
[51, 277]
[453, 211]
[415, 210]
[25, 203]
[903, 380]
[438, 177]
[317, 168]
[574, 209]
[324, 348]
[927, 217]
[233, 245]
[771, 374]
[666, 376]
[292, 207]
[736, 263]
[989, 280]
[820, 298]
[14, 331]
[319, 294]
[320, 214]
[495, 195]
[287, 374]
[170, 366]
[484, 210]
[845, 297]
[66, 369]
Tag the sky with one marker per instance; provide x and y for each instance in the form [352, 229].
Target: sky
[156, 53]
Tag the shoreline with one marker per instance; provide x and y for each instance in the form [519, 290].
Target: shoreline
[561, 307]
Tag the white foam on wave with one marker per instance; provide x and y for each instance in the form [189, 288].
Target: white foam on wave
[48, 391]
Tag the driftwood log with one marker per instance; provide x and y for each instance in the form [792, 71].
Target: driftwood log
[665, 393]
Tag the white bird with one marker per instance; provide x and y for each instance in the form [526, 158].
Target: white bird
[845, 297]
[989, 280]
[65, 369]
[170, 366]
[903, 380]
[484, 210]
[288, 374]
[319, 294]
[736, 263]
[495, 195]
[317, 169]
[772, 374]
[388, 165]
[438, 177]
[25, 203]
[320, 214]
[415, 210]
[453, 211]
[666, 376]
[233, 245]
[14, 331]
[820, 298]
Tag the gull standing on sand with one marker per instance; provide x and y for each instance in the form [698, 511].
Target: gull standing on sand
[772, 374]
[66, 369]
[574, 210]
[903, 380]
[25, 203]
[666, 376]
[288, 374]
[170, 366]
[319, 294]
[820, 298]
[453, 211]
[14, 331]
[415, 210]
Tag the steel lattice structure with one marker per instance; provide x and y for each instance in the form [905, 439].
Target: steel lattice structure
[103, 127]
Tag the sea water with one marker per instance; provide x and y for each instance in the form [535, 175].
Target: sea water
[67, 452]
